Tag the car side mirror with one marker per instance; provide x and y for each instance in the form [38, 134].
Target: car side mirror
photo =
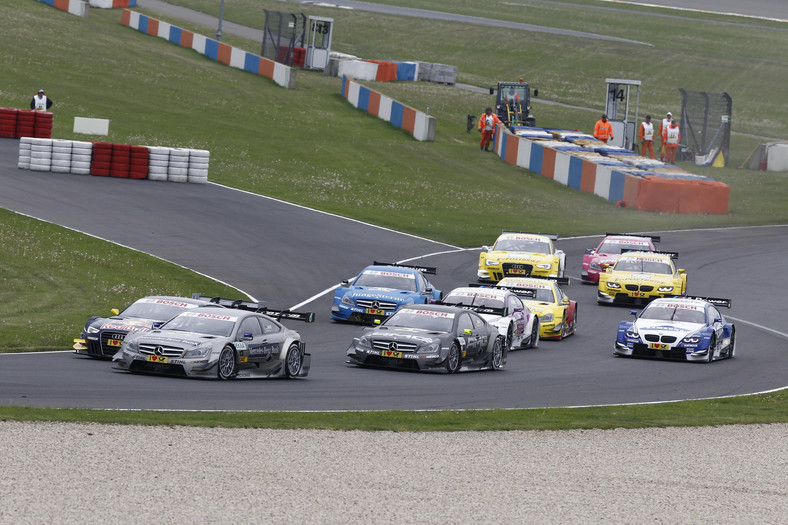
[681, 271]
[345, 283]
[633, 312]
[589, 250]
[428, 290]
[485, 248]
[718, 319]
[566, 300]
[115, 311]
[247, 336]
[467, 331]
[376, 321]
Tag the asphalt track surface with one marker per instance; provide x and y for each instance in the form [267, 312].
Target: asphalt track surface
[288, 255]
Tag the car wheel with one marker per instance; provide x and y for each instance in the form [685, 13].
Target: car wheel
[227, 366]
[293, 361]
[534, 334]
[574, 322]
[712, 344]
[509, 337]
[453, 359]
[496, 359]
[732, 346]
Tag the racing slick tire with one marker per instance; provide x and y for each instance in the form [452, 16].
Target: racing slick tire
[227, 368]
[509, 337]
[453, 359]
[293, 361]
[535, 332]
[712, 344]
[732, 345]
[496, 356]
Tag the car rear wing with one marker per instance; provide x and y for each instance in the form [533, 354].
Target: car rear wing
[551, 236]
[518, 291]
[654, 238]
[673, 255]
[260, 307]
[716, 301]
[432, 270]
[489, 310]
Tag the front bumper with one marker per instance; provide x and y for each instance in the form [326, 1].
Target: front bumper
[407, 361]
[356, 314]
[625, 297]
[675, 353]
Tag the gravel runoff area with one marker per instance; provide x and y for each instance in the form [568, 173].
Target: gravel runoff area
[89, 473]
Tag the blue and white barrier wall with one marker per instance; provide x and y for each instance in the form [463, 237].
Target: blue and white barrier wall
[417, 123]
[213, 49]
[75, 7]
[380, 70]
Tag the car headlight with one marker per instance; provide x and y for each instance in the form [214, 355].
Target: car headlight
[347, 300]
[544, 266]
[92, 330]
[665, 288]
[595, 266]
[364, 341]
[430, 348]
[615, 286]
[547, 318]
[692, 339]
[491, 262]
[129, 346]
[633, 333]
[201, 351]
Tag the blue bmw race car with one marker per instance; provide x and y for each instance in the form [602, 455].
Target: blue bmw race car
[379, 290]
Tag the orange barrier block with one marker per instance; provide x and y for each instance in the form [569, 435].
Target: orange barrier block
[512, 145]
[408, 119]
[706, 197]
[588, 177]
[373, 106]
[125, 17]
[267, 67]
[660, 194]
[548, 162]
[224, 53]
[387, 71]
[187, 39]
[153, 27]
[631, 190]
[61, 4]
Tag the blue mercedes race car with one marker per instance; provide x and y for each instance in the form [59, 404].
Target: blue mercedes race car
[379, 290]
[686, 329]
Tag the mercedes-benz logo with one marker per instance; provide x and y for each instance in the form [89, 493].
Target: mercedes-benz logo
[375, 305]
[158, 350]
[393, 346]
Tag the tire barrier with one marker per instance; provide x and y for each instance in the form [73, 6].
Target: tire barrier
[231, 56]
[74, 7]
[16, 123]
[417, 123]
[107, 159]
[616, 174]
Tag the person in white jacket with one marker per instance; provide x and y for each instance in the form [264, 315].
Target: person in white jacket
[41, 102]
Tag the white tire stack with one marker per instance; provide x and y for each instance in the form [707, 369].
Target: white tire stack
[81, 155]
[178, 169]
[158, 161]
[61, 156]
[25, 145]
[199, 159]
[41, 154]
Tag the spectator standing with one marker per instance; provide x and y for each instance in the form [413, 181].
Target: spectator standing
[487, 124]
[40, 101]
[663, 130]
[672, 138]
[646, 135]
[603, 129]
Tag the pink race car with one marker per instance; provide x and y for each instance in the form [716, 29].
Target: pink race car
[613, 245]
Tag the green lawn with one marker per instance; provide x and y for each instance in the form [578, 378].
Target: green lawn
[309, 146]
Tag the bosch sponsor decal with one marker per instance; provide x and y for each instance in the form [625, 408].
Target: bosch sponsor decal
[645, 258]
[480, 295]
[430, 313]
[639, 242]
[682, 306]
[216, 317]
[168, 302]
[524, 238]
[384, 273]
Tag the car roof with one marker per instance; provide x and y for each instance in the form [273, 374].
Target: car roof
[173, 298]
[654, 256]
[497, 292]
[524, 282]
[679, 300]
[393, 269]
[531, 236]
[219, 310]
[434, 308]
[628, 238]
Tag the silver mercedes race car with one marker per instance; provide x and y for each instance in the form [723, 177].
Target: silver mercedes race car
[233, 340]
[430, 337]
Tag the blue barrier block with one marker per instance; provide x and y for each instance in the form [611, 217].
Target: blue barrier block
[175, 35]
[143, 28]
[575, 172]
[617, 179]
[537, 157]
[344, 83]
[48, 2]
[406, 71]
[397, 113]
[252, 63]
[363, 98]
[211, 49]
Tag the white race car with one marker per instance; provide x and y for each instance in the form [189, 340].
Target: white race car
[502, 309]
[686, 329]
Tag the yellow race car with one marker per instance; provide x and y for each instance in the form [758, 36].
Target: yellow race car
[544, 297]
[521, 255]
[639, 277]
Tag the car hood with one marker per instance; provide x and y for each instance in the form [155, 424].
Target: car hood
[639, 277]
[518, 256]
[655, 326]
[415, 335]
[540, 307]
[175, 337]
[129, 324]
[386, 294]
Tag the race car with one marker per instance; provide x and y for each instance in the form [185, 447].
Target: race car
[502, 309]
[102, 336]
[613, 245]
[686, 329]
[517, 254]
[557, 313]
[234, 339]
[430, 337]
[380, 289]
[639, 277]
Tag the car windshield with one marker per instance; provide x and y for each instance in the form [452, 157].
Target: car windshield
[544, 295]
[424, 319]
[522, 245]
[202, 323]
[387, 279]
[472, 299]
[155, 309]
[620, 247]
[674, 313]
[643, 266]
